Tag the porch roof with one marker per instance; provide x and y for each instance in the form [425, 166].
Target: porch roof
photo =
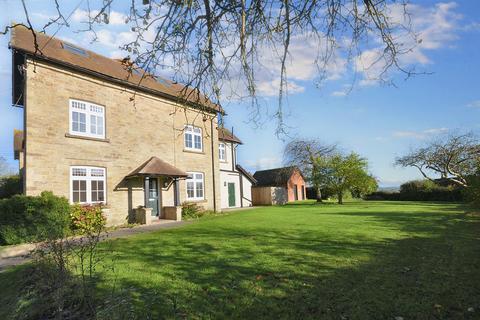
[157, 167]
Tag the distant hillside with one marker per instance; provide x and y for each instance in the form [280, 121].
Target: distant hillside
[389, 189]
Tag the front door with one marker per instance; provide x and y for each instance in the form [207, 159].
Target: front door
[153, 196]
[231, 194]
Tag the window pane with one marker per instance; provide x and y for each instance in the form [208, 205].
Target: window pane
[100, 125]
[100, 185]
[83, 196]
[75, 196]
[101, 196]
[76, 185]
[198, 142]
[199, 189]
[94, 196]
[93, 124]
[188, 140]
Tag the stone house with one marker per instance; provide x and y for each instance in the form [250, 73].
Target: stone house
[278, 186]
[96, 131]
[235, 182]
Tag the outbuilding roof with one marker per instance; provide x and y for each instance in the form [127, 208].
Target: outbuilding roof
[274, 177]
[68, 55]
[157, 167]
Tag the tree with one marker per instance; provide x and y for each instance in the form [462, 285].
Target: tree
[303, 153]
[454, 157]
[223, 48]
[341, 173]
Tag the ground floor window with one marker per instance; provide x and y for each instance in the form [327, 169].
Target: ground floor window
[195, 186]
[87, 184]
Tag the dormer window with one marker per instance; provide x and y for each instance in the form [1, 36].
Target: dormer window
[87, 119]
[193, 138]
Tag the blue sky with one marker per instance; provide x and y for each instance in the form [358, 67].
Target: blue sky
[379, 122]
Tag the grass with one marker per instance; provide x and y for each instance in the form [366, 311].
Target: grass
[362, 260]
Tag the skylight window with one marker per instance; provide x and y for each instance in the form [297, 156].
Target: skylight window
[163, 82]
[74, 49]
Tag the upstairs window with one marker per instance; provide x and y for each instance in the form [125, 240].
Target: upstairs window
[195, 186]
[87, 184]
[87, 119]
[222, 152]
[193, 138]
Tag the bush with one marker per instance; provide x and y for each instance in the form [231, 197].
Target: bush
[87, 219]
[32, 219]
[420, 190]
[10, 185]
[191, 211]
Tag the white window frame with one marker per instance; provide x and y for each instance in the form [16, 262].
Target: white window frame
[89, 178]
[222, 152]
[193, 132]
[193, 177]
[90, 110]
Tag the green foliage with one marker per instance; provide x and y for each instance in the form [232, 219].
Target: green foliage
[10, 185]
[31, 219]
[339, 174]
[421, 190]
[191, 210]
[472, 192]
[87, 219]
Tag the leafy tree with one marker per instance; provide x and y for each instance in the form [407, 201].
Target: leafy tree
[340, 173]
[224, 47]
[454, 158]
[304, 154]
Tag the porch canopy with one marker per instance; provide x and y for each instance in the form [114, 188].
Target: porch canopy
[155, 168]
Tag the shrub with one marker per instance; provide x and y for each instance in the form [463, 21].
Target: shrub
[10, 185]
[191, 211]
[420, 190]
[87, 219]
[31, 219]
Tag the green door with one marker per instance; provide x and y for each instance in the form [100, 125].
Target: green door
[231, 194]
[153, 196]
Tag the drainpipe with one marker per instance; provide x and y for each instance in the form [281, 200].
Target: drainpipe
[213, 166]
[146, 189]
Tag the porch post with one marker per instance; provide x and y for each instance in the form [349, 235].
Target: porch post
[146, 190]
[176, 192]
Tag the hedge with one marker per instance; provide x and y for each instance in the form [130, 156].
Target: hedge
[10, 185]
[32, 219]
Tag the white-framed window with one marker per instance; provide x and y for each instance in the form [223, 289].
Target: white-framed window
[87, 184]
[87, 119]
[195, 186]
[193, 138]
[222, 151]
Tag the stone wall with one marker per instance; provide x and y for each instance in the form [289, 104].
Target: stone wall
[135, 130]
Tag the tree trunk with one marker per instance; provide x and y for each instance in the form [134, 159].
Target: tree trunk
[340, 198]
[319, 194]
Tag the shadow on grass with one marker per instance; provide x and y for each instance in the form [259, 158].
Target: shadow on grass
[267, 272]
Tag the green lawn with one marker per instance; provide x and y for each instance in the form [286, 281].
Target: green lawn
[362, 260]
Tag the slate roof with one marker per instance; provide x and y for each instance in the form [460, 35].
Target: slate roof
[274, 177]
[71, 56]
[246, 174]
[157, 167]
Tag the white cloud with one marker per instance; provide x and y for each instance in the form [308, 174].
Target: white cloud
[114, 17]
[474, 104]
[420, 135]
[340, 93]
[272, 87]
[264, 163]
[435, 28]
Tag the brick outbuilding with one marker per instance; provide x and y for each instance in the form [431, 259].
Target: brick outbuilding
[278, 186]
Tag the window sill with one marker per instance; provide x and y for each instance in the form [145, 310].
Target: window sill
[196, 201]
[68, 135]
[193, 151]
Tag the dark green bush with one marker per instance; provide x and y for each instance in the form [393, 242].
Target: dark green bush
[10, 185]
[31, 219]
[420, 190]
